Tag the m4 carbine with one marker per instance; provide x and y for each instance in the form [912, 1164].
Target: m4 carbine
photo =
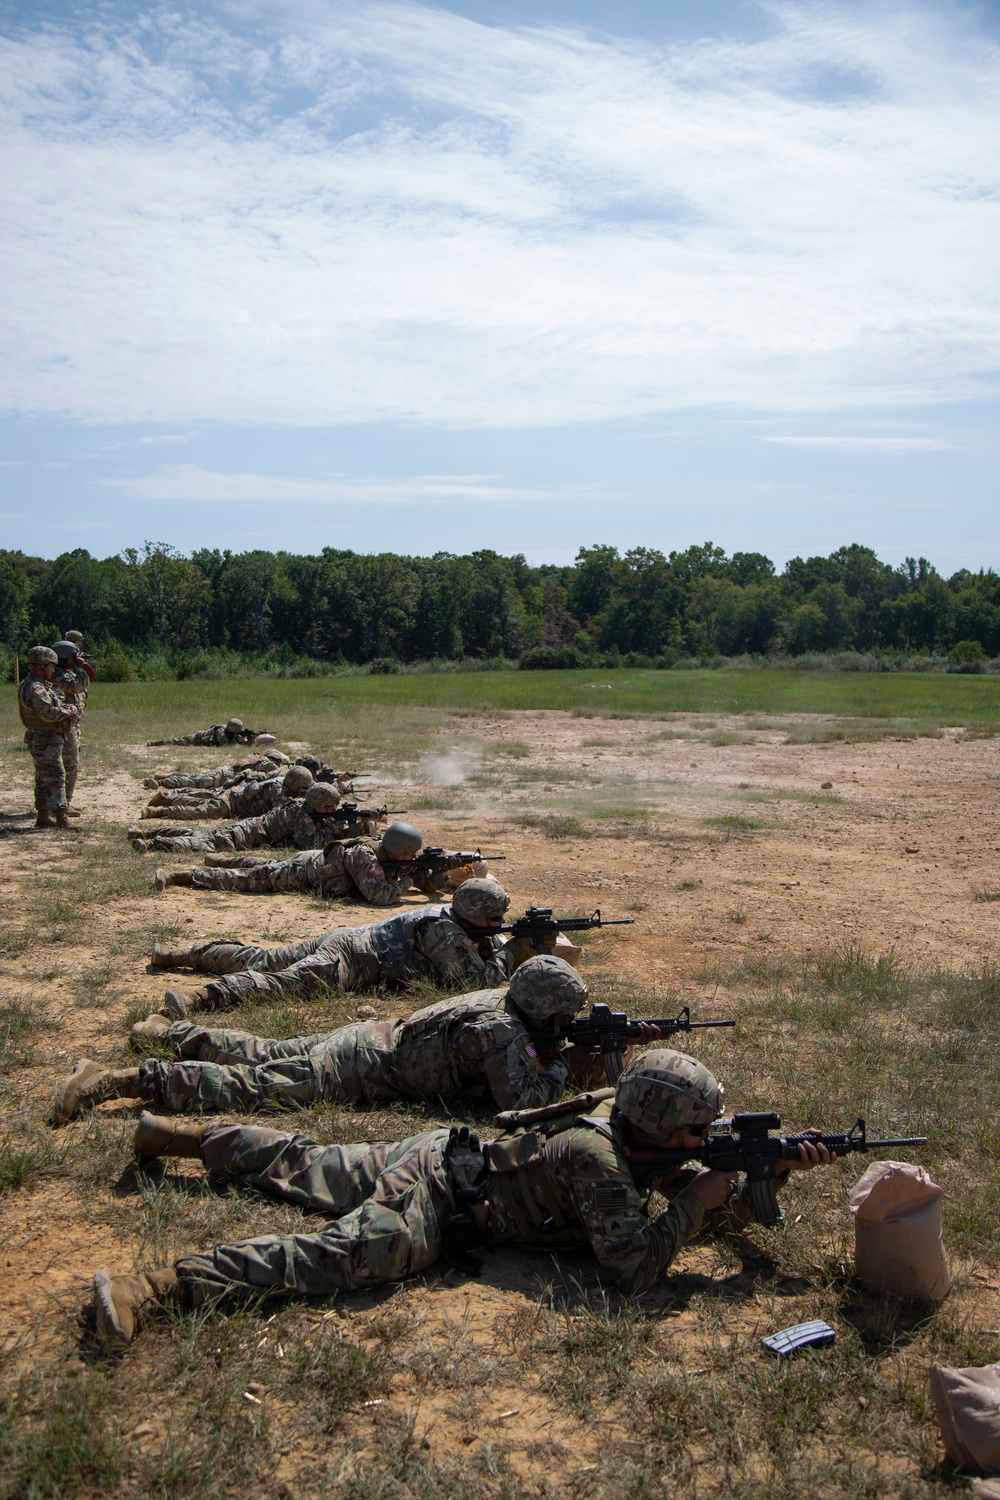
[610, 1031]
[538, 924]
[744, 1144]
[350, 812]
[438, 859]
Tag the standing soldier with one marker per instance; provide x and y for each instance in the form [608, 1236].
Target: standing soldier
[73, 677]
[47, 719]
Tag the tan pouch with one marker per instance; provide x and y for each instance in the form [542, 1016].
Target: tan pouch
[968, 1412]
[512, 1152]
[897, 1232]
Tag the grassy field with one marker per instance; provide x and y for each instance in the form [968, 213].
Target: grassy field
[131, 711]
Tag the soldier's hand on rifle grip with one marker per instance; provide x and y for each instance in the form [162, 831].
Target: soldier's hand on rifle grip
[713, 1188]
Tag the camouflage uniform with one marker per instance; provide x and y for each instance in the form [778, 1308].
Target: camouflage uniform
[246, 799]
[566, 1186]
[346, 867]
[43, 713]
[259, 768]
[424, 942]
[290, 823]
[74, 685]
[217, 735]
[454, 1047]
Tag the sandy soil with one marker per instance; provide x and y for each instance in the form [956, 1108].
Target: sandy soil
[896, 861]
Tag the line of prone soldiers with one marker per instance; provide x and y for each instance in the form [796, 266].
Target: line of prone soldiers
[563, 1172]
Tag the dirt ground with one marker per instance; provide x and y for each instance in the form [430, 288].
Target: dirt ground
[726, 844]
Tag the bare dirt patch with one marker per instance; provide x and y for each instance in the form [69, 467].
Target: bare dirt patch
[746, 861]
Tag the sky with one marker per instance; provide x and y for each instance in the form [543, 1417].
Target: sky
[527, 276]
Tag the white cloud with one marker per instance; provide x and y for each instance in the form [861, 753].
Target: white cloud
[854, 444]
[188, 482]
[309, 215]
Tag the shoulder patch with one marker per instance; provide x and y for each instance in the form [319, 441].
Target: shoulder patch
[529, 1050]
[610, 1197]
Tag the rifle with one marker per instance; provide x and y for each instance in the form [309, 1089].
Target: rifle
[437, 860]
[350, 812]
[327, 774]
[611, 1030]
[743, 1144]
[538, 924]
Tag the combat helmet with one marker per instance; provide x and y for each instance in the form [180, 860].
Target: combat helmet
[545, 987]
[322, 798]
[312, 765]
[234, 726]
[480, 901]
[295, 780]
[660, 1090]
[74, 636]
[42, 656]
[64, 650]
[401, 841]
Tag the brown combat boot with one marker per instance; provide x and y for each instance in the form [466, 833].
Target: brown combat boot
[44, 818]
[62, 821]
[91, 1083]
[170, 958]
[73, 812]
[168, 1135]
[181, 877]
[153, 1029]
[178, 1004]
[119, 1301]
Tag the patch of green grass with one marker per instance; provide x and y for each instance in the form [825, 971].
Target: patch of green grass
[555, 825]
[511, 748]
[60, 1437]
[26, 1157]
[734, 825]
[21, 1023]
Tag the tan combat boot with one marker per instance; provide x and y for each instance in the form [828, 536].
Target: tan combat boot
[152, 783]
[168, 1135]
[153, 1029]
[91, 1083]
[73, 812]
[119, 1301]
[62, 821]
[178, 1004]
[170, 958]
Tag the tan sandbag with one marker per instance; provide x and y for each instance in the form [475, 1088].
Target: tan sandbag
[566, 950]
[986, 1489]
[968, 1412]
[897, 1232]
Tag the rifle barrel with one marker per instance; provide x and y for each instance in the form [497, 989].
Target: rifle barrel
[909, 1140]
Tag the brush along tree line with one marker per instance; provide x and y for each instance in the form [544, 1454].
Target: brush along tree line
[643, 607]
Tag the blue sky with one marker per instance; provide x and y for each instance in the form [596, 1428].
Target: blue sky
[511, 275]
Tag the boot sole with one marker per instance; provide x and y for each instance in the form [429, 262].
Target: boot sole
[108, 1326]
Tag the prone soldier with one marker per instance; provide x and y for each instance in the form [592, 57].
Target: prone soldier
[306, 822]
[233, 732]
[378, 870]
[457, 943]
[558, 1177]
[246, 799]
[47, 718]
[475, 1043]
[252, 767]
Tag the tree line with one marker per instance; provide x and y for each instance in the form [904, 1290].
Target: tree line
[643, 606]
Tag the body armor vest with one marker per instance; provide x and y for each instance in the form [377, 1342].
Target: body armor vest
[393, 941]
[526, 1190]
[32, 719]
[424, 1042]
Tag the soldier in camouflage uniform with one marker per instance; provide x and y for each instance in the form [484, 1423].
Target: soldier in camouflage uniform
[451, 943]
[473, 1043]
[72, 677]
[376, 870]
[232, 732]
[247, 799]
[47, 718]
[305, 823]
[253, 767]
[559, 1181]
